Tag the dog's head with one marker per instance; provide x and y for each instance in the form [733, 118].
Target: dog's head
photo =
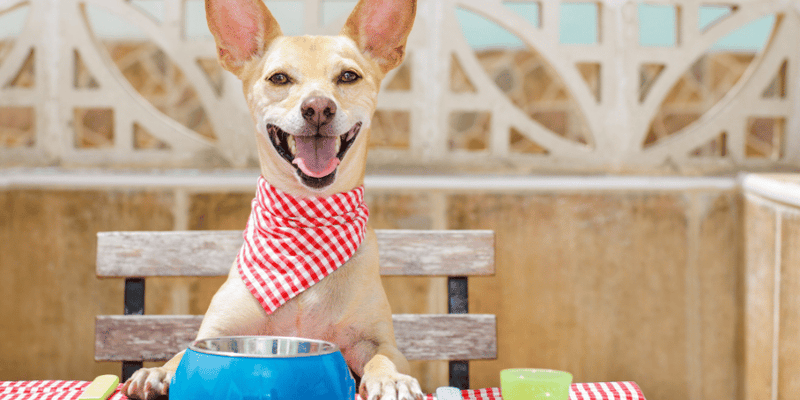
[311, 97]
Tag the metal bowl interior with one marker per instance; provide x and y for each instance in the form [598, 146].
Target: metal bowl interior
[263, 346]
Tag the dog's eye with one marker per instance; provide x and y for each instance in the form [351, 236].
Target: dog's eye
[279, 79]
[348, 77]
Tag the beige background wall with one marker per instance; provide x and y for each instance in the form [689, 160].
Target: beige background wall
[638, 284]
[772, 287]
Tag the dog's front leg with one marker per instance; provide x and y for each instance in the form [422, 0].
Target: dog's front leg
[386, 377]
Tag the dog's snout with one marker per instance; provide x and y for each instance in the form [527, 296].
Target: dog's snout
[318, 111]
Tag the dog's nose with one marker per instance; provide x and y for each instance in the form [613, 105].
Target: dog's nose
[318, 111]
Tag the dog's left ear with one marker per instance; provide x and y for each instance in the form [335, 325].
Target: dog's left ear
[380, 28]
[242, 29]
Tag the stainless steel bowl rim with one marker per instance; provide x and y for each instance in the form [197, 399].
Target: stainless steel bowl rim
[329, 347]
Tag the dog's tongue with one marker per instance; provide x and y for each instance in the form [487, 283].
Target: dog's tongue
[316, 156]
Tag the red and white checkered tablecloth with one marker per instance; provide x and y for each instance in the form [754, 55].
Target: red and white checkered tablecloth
[46, 390]
[71, 390]
[578, 391]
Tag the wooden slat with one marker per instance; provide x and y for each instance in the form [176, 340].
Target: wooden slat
[446, 253]
[210, 253]
[446, 336]
[187, 253]
[419, 336]
[143, 337]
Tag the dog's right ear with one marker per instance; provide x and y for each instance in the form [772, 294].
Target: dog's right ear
[242, 29]
[380, 28]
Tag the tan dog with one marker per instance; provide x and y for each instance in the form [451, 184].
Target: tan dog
[321, 89]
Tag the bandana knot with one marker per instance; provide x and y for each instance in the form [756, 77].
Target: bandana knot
[292, 243]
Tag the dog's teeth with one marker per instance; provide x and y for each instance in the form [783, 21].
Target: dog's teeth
[339, 144]
[292, 145]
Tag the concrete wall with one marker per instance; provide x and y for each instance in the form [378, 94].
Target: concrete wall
[609, 278]
[772, 287]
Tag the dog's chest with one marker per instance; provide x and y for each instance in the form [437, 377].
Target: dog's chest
[314, 313]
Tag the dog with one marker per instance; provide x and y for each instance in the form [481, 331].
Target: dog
[311, 99]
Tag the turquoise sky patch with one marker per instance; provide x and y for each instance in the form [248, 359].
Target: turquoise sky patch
[528, 11]
[578, 23]
[12, 22]
[751, 37]
[657, 25]
[708, 15]
[482, 33]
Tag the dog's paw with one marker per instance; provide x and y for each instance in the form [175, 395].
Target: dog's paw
[390, 387]
[147, 384]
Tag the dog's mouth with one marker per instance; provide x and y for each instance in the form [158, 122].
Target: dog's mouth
[314, 157]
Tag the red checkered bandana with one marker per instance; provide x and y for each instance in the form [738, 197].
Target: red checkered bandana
[292, 243]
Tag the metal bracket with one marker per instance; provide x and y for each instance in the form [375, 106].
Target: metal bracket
[458, 303]
[134, 305]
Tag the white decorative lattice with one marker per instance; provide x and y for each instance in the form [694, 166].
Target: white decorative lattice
[419, 113]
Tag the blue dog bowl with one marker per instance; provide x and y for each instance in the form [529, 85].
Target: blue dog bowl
[262, 368]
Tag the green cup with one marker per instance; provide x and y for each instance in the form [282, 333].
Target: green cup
[534, 384]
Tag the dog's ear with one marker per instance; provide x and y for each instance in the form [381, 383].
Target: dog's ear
[380, 29]
[242, 29]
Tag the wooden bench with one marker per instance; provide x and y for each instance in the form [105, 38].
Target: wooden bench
[134, 337]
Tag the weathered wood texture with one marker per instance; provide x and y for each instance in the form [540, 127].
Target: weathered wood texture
[48, 268]
[210, 253]
[761, 223]
[604, 286]
[772, 292]
[419, 336]
[202, 253]
[789, 314]
[446, 337]
[427, 253]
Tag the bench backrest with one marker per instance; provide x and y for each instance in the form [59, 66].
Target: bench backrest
[134, 337]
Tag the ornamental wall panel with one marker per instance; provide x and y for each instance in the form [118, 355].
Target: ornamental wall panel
[614, 101]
